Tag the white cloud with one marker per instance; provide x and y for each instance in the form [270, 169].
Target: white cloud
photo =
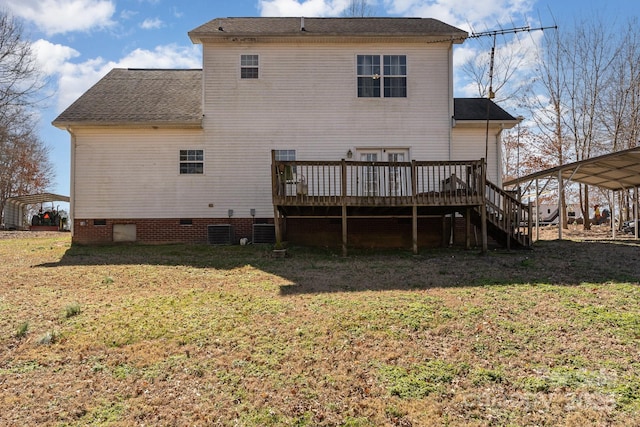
[128, 14]
[152, 24]
[51, 57]
[62, 16]
[302, 7]
[75, 78]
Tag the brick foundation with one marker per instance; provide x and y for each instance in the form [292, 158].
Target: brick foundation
[159, 231]
[362, 233]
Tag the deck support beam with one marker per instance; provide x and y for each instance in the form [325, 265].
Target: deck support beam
[414, 210]
[483, 208]
[414, 229]
[344, 208]
[467, 228]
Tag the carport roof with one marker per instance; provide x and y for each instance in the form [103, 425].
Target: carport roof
[615, 171]
[33, 199]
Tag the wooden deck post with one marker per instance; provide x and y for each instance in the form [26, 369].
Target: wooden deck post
[483, 207]
[274, 194]
[343, 196]
[467, 232]
[414, 211]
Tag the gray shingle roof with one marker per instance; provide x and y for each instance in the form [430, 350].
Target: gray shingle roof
[253, 27]
[131, 97]
[139, 97]
[476, 109]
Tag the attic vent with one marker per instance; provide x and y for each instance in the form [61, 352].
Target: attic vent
[264, 233]
[220, 234]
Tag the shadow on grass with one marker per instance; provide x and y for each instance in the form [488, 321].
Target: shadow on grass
[314, 270]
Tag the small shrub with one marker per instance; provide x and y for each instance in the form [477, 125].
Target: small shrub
[483, 376]
[107, 280]
[22, 330]
[48, 338]
[72, 310]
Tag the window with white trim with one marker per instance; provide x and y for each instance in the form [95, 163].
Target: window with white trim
[191, 162]
[249, 66]
[382, 76]
[285, 156]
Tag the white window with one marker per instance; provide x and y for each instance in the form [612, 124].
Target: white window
[286, 156]
[386, 81]
[191, 162]
[249, 66]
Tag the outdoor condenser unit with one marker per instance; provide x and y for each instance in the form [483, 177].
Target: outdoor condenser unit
[264, 233]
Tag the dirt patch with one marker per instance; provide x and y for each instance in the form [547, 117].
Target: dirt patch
[18, 234]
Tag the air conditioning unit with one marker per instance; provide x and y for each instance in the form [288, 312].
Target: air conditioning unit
[220, 234]
[264, 233]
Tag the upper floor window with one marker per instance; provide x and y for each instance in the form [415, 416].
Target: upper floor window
[191, 162]
[248, 66]
[382, 76]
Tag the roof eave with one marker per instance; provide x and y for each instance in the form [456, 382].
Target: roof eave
[505, 124]
[202, 37]
[64, 125]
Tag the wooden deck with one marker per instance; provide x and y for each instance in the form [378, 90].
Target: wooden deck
[345, 188]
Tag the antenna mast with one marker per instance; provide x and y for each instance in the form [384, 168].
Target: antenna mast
[491, 93]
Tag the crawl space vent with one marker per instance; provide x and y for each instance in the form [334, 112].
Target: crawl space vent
[264, 233]
[221, 234]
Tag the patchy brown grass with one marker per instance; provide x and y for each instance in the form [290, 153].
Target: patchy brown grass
[197, 335]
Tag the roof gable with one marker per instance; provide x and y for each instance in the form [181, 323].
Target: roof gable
[139, 97]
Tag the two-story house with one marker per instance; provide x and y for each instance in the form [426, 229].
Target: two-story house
[335, 129]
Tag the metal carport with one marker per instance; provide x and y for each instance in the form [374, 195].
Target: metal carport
[14, 207]
[615, 171]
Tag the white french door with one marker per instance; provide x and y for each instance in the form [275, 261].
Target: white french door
[371, 177]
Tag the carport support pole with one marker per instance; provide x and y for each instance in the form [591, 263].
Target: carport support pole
[635, 213]
[537, 212]
[613, 214]
[560, 197]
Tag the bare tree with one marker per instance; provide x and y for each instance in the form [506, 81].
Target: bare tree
[24, 163]
[546, 99]
[20, 80]
[359, 9]
[508, 59]
[590, 52]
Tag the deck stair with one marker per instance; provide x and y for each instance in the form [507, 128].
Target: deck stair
[507, 217]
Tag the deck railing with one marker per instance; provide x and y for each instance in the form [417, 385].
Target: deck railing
[509, 214]
[354, 183]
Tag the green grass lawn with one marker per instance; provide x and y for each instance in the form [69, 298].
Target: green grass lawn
[230, 336]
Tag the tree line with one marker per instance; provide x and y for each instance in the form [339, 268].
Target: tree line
[25, 167]
[581, 100]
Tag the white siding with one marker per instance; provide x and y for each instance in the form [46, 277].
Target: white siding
[470, 144]
[135, 174]
[306, 99]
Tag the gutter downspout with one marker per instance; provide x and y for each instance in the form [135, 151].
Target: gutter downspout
[72, 186]
[499, 155]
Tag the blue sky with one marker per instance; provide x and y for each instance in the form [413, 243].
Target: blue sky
[79, 41]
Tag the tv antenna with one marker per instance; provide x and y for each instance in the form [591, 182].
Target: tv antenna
[491, 94]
